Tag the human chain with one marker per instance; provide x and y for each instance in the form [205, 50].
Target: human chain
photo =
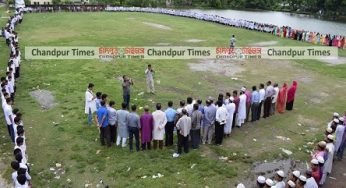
[13, 117]
[279, 31]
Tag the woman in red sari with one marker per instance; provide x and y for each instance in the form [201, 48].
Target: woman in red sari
[282, 99]
[290, 95]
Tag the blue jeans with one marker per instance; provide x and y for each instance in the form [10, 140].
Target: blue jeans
[90, 117]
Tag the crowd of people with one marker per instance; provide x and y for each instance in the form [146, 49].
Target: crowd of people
[321, 163]
[13, 117]
[279, 31]
[201, 123]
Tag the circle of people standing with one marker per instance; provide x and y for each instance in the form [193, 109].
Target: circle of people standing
[193, 121]
[13, 117]
[321, 162]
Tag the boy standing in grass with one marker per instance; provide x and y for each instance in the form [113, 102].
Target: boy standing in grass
[103, 125]
[90, 105]
[150, 80]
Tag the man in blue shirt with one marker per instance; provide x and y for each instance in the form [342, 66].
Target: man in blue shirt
[103, 125]
[169, 128]
[255, 102]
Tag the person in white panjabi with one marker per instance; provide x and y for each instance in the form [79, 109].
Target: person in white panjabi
[230, 106]
[160, 121]
[327, 168]
[339, 132]
[150, 80]
[241, 116]
[90, 104]
[279, 178]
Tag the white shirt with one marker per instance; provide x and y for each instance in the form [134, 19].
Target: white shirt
[89, 102]
[15, 175]
[8, 113]
[276, 89]
[17, 185]
[280, 184]
[160, 121]
[221, 114]
[310, 183]
[262, 92]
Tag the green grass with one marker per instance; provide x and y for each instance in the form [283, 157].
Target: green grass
[72, 143]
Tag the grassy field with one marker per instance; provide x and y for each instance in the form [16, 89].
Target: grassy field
[73, 144]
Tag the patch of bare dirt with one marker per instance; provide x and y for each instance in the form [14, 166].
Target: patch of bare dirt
[158, 26]
[265, 43]
[44, 97]
[223, 67]
[339, 61]
[194, 40]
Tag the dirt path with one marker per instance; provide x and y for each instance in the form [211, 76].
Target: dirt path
[337, 178]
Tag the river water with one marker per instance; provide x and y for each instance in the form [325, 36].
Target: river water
[297, 21]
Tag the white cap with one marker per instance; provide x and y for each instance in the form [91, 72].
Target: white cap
[341, 119]
[280, 173]
[336, 114]
[261, 179]
[269, 182]
[330, 137]
[231, 98]
[291, 183]
[240, 185]
[302, 178]
[320, 159]
[329, 130]
[22, 165]
[322, 144]
[274, 186]
[313, 161]
[243, 89]
[296, 173]
[336, 120]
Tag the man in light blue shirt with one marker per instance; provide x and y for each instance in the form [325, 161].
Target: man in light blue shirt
[169, 128]
[255, 101]
[208, 121]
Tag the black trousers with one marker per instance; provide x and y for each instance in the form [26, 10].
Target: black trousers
[169, 128]
[105, 136]
[289, 105]
[195, 138]
[259, 111]
[267, 106]
[134, 131]
[183, 141]
[113, 133]
[146, 145]
[254, 111]
[17, 74]
[219, 129]
[233, 122]
[127, 100]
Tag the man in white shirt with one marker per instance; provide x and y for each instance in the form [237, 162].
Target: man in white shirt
[261, 94]
[160, 121]
[221, 117]
[150, 80]
[183, 127]
[269, 92]
[241, 116]
[90, 104]
[279, 178]
[275, 97]
[9, 117]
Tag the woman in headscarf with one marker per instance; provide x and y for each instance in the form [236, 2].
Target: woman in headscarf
[281, 101]
[290, 95]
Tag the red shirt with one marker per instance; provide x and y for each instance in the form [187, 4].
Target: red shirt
[316, 174]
